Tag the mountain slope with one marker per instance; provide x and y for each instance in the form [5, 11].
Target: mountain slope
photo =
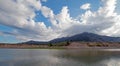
[88, 37]
[34, 42]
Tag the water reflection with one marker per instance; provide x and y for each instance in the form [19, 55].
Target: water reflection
[92, 57]
[46, 57]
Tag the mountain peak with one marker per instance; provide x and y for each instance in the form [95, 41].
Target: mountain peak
[85, 36]
[88, 37]
[87, 33]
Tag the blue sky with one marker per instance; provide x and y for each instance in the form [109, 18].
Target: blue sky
[44, 20]
[74, 8]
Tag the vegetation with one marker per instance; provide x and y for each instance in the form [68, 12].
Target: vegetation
[98, 44]
[50, 44]
[66, 43]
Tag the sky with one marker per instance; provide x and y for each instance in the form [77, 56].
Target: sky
[44, 20]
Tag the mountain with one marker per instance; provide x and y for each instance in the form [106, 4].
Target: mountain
[34, 42]
[88, 37]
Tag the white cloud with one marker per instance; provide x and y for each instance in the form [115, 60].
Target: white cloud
[17, 17]
[47, 12]
[85, 6]
[63, 18]
[20, 17]
[109, 12]
[104, 20]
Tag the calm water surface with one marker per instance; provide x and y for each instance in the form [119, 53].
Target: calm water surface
[54, 57]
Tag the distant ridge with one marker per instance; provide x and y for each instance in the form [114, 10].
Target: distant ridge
[86, 37]
[33, 42]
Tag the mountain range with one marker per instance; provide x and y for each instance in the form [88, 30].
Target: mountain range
[86, 37]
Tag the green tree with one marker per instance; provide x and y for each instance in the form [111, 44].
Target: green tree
[67, 43]
[50, 44]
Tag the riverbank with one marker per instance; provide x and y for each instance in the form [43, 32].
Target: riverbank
[72, 45]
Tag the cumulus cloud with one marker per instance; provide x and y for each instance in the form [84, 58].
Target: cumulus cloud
[85, 6]
[19, 14]
[20, 17]
[109, 12]
[104, 19]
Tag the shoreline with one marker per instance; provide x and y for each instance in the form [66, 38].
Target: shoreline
[72, 45]
[90, 48]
